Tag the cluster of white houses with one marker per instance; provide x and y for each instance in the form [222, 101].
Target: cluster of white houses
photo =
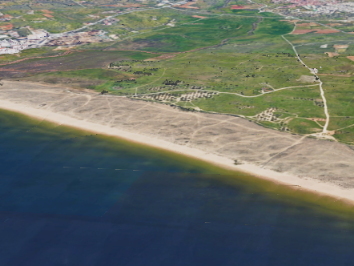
[39, 38]
[12, 46]
[36, 39]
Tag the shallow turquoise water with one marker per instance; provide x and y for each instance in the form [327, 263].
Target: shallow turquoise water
[72, 198]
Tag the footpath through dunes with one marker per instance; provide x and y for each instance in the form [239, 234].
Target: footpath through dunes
[319, 165]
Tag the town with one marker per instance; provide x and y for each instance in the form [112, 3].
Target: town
[41, 37]
[316, 7]
[11, 42]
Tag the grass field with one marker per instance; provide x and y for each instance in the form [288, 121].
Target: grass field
[303, 126]
[226, 72]
[298, 102]
[193, 33]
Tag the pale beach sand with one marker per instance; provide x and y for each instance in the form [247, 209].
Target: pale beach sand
[311, 185]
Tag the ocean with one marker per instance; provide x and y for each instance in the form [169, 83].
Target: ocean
[70, 197]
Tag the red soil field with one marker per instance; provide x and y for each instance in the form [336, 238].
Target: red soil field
[311, 24]
[47, 11]
[326, 31]
[315, 31]
[7, 27]
[301, 31]
[188, 5]
[196, 16]
[237, 7]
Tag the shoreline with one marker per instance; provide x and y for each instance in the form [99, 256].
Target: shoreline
[306, 185]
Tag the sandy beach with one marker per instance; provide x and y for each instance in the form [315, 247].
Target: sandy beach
[285, 178]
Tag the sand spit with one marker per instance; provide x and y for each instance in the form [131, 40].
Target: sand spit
[316, 165]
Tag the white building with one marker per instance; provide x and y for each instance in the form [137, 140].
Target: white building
[38, 34]
[12, 46]
[13, 34]
[9, 46]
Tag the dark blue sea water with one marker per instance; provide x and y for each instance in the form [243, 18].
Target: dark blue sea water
[72, 198]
